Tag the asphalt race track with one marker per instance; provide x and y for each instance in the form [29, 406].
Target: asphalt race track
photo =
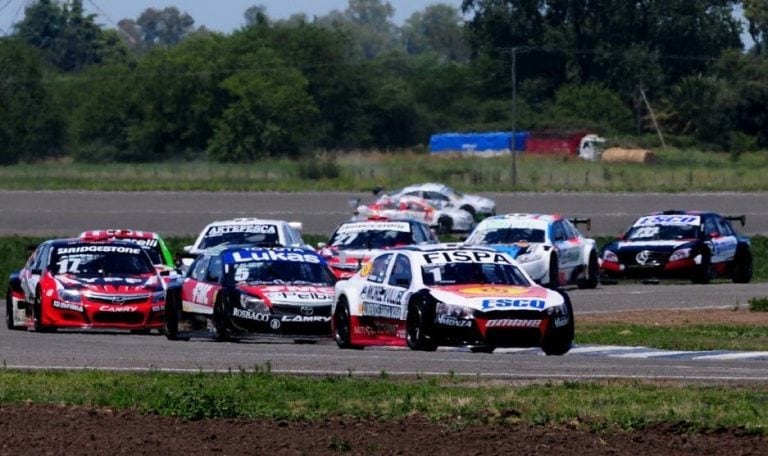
[50, 213]
[67, 213]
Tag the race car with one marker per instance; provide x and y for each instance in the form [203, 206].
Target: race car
[254, 231]
[427, 296]
[692, 245]
[441, 195]
[237, 292]
[72, 283]
[549, 247]
[159, 253]
[355, 242]
[445, 220]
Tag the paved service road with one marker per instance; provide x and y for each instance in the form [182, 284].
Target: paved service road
[65, 213]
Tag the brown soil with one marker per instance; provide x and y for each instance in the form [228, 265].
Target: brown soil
[38, 430]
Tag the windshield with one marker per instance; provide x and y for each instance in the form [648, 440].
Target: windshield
[261, 235]
[472, 273]
[662, 232]
[507, 236]
[371, 239]
[134, 262]
[281, 272]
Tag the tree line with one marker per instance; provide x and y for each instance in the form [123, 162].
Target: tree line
[158, 87]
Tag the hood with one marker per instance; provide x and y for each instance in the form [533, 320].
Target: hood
[111, 285]
[655, 246]
[291, 294]
[487, 297]
[515, 250]
[351, 258]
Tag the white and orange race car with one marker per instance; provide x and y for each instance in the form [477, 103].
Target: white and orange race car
[430, 296]
[445, 219]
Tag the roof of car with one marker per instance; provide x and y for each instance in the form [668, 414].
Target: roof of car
[546, 218]
[433, 186]
[246, 220]
[118, 234]
[78, 241]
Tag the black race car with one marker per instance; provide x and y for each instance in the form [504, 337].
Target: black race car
[692, 245]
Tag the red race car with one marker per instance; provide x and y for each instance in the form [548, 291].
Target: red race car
[70, 283]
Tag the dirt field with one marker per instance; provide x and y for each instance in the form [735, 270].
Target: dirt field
[46, 430]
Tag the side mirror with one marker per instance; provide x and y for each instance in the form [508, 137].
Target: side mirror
[321, 245]
[188, 248]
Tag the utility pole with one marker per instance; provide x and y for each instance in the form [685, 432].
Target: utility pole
[513, 71]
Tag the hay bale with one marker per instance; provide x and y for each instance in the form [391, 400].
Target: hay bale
[622, 155]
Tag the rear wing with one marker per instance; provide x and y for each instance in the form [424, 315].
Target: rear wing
[737, 218]
[583, 221]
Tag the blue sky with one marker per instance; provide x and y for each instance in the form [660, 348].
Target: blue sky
[221, 15]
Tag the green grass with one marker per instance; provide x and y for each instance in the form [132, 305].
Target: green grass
[689, 338]
[675, 171]
[758, 304]
[627, 405]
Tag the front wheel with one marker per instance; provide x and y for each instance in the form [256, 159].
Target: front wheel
[560, 340]
[37, 316]
[554, 272]
[172, 318]
[703, 273]
[220, 327]
[342, 325]
[418, 328]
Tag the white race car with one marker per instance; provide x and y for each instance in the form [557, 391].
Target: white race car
[426, 296]
[550, 248]
[441, 196]
[444, 220]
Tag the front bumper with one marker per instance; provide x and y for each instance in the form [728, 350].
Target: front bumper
[100, 315]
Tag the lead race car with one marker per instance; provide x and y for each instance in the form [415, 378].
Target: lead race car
[445, 219]
[548, 247]
[692, 245]
[427, 296]
[70, 283]
[238, 292]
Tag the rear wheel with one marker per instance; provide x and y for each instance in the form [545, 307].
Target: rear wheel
[444, 225]
[742, 267]
[593, 270]
[342, 325]
[471, 210]
[554, 272]
[418, 327]
[9, 310]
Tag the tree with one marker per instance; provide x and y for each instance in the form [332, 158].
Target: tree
[756, 13]
[164, 27]
[256, 15]
[438, 29]
[369, 23]
[69, 38]
[30, 126]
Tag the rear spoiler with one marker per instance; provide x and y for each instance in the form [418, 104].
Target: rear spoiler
[583, 221]
[740, 218]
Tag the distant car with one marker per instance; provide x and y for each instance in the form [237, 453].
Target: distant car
[238, 231]
[441, 195]
[71, 283]
[444, 220]
[693, 245]
[429, 296]
[243, 291]
[549, 247]
[161, 256]
[353, 243]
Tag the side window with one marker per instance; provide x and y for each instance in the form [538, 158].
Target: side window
[710, 226]
[557, 232]
[725, 227]
[214, 270]
[379, 268]
[436, 196]
[36, 259]
[401, 272]
[198, 268]
[570, 230]
[414, 193]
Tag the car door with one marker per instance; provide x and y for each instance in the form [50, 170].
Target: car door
[566, 242]
[381, 301]
[723, 239]
[199, 288]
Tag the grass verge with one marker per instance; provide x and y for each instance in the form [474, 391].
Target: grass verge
[688, 338]
[627, 405]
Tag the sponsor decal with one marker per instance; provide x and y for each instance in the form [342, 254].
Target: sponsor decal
[250, 315]
[200, 293]
[372, 309]
[146, 242]
[490, 290]
[465, 256]
[299, 296]
[671, 219]
[378, 329]
[305, 319]
[274, 255]
[642, 257]
[374, 226]
[561, 321]
[118, 309]
[521, 303]
[110, 280]
[97, 249]
[158, 308]
[512, 323]
[67, 306]
[446, 320]
[274, 324]
[365, 270]
[256, 229]
[383, 294]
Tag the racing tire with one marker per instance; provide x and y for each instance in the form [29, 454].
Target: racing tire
[418, 327]
[9, 311]
[172, 319]
[444, 225]
[482, 349]
[553, 273]
[342, 326]
[469, 209]
[141, 332]
[221, 330]
[703, 273]
[559, 342]
[742, 267]
[37, 316]
[593, 272]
